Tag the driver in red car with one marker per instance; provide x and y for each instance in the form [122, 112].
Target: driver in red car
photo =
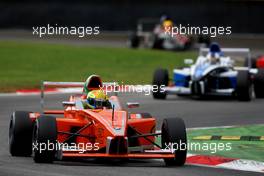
[96, 99]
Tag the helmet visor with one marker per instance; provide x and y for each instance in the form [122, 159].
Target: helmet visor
[97, 103]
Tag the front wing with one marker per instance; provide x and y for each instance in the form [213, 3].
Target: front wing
[147, 154]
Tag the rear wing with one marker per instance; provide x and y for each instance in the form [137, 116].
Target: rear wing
[77, 85]
[146, 25]
[239, 51]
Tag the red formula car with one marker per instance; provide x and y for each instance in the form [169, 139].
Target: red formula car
[76, 132]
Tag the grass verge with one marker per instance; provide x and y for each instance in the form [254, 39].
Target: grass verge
[252, 150]
[25, 64]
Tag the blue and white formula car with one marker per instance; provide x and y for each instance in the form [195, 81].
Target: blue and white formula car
[214, 74]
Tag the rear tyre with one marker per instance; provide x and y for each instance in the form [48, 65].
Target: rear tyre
[157, 43]
[244, 86]
[160, 78]
[20, 134]
[253, 62]
[174, 133]
[259, 84]
[45, 138]
[134, 41]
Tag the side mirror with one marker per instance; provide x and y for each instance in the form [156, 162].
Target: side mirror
[68, 103]
[132, 104]
[188, 61]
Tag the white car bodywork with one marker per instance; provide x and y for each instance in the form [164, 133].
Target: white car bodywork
[225, 62]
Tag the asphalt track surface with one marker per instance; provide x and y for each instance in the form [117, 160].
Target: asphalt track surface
[195, 113]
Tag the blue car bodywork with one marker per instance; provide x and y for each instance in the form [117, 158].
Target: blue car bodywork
[205, 78]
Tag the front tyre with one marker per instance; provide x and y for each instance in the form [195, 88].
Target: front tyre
[44, 139]
[174, 134]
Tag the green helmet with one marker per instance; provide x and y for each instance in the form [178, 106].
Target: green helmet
[93, 82]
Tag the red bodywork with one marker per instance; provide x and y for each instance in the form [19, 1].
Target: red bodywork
[260, 62]
[107, 135]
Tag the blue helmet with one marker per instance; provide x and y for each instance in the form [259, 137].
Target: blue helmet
[215, 49]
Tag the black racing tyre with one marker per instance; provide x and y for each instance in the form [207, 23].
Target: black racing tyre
[259, 84]
[244, 86]
[44, 139]
[253, 62]
[134, 41]
[196, 89]
[20, 134]
[160, 78]
[174, 133]
[156, 43]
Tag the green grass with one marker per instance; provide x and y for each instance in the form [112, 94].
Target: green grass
[25, 64]
[253, 150]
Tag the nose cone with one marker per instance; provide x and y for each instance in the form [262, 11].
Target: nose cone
[199, 70]
[197, 75]
[117, 145]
